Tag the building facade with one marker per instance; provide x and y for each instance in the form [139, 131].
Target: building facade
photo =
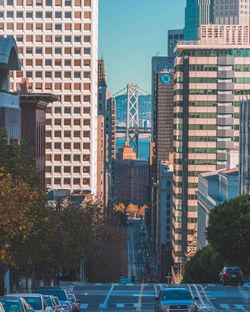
[244, 170]
[213, 189]
[210, 80]
[235, 12]
[197, 12]
[57, 44]
[10, 112]
[174, 36]
[163, 241]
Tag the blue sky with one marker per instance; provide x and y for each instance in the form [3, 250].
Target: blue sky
[130, 33]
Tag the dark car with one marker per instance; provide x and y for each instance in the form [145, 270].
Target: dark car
[15, 304]
[175, 300]
[57, 292]
[231, 275]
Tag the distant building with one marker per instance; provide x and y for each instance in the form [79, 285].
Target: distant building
[163, 235]
[33, 112]
[10, 112]
[213, 189]
[130, 177]
[244, 175]
[197, 12]
[173, 37]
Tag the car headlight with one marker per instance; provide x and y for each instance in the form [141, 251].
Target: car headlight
[192, 308]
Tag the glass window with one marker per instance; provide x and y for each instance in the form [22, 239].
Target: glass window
[39, 14]
[29, 14]
[58, 74]
[67, 62]
[58, 15]
[10, 14]
[67, 38]
[48, 14]
[48, 62]
[58, 26]
[67, 14]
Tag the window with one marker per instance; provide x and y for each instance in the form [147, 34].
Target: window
[39, 62]
[86, 122]
[87, 26]
[29, 14]
[57, 134]
[48, 26]
[48, 181]
[67, 26]
[77, 86]
[19, 14]
[58, 15]
[67, 134]
[77, 14]
[76, 181]
[57, 181]
[48, 3]
[48, 62]
[19, 38]
[87, 14]
[77, 157]
[66, 180]
[39, 26]
[76, 169]
[19, 2]
[9, 2]
[67, 74]
[77, 50]
[76, 134]
[86, 146]
[77, 98]
[86, 50]
[47, 169]
[48, 51]
[39, 14]
[38, 74]
[86, 86]
[86, 134]
[39, 50]
[85, 181]
[48, 38]
[29, 74]
[86, 157]
[85, 169]
[86, 74]
[58, 74]
[87, 38]
[58, 63]
[48, 14]
[67, 62]
[87, 2]
[58, 26]
[67, 122]
[67, 169]
[57, 157]
[77, 26]
[58, 110]
[78, 3]
[77, 110]
[67, 146]
[57, 169]
[86, 110]
[10, 26]
[67, 15]
[67, 110]
[10, 14]
[48, 157]
[67, 157]
[77, 122]
[58, 86]
[67, 98]
[77, 39]
[77, 74]
[77, 62]
[58, 50]
[67, 38]
[67, 86]
[58, 2]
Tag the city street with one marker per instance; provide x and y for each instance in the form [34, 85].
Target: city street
[140, 297]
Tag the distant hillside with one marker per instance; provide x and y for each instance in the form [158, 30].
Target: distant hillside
[144, 108]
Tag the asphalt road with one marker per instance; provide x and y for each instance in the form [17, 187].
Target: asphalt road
[140, 297]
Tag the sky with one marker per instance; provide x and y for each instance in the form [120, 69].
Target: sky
[130, 33]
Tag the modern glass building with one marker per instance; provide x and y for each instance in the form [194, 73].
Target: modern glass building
[197, 12]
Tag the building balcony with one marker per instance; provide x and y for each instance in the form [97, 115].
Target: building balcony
[225, 74]
[225, 121]
[225, 110]
[225, 86]
[225, 144]
[225, 133]
[225, 60]
[225, 97]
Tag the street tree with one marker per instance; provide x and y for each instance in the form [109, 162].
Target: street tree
[228, 231]
[132, 210]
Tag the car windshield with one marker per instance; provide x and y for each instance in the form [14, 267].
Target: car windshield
[48, 301]
[176, 295]
[11, 305]
[231, 271]
[35, 302]
[58, 293]
[71, 297]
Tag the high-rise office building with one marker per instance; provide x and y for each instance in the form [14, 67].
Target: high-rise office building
[197, 12]
[210, 80]
[57, 43]
[174, 36]
[235, 12]
[244, 170]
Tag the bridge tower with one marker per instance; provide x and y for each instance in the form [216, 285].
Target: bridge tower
[132, 129]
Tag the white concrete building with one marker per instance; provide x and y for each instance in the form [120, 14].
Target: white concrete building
[58, 47]
[213, 189]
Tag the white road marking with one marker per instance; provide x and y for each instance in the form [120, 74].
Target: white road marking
[240, 307]
[137, 305]
[84, 306]
[120, 305]
[105, 304]
[225, 306]
[155, 290]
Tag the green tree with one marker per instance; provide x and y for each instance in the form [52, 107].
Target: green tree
[228, 231]
[203, 267]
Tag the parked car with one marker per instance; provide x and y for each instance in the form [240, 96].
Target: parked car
[15, 304]
[231, 275]
[57, 292]
[175, 299]
[58, 303]
[51, 303]
[75, 303]
[36, 301]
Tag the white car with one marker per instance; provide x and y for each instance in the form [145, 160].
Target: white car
[36, 301]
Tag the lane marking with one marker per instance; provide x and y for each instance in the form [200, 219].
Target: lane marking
[140, 297]
[155, 290]
[133, 255]
[105, 304]
[84, 306]
[225, 306]
[240, 307]
[209, 303]
[120, 305]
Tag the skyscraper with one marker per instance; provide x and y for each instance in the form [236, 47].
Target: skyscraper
[174, 36]
[210, 81]
[57, 44]
[235, 12]
[197, 12]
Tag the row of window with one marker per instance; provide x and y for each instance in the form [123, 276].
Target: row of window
[190, 208]
[69, 110]
[197, 150]
[197, 138]
[46, 2]
[197, 162]
[68, 122]
[189, 220]
[203, 103]
[197, 127]
[60, 86]
[190, 196]
[57, 62]
[67, 169]
[67, 134]
[68, 157]
[46, 26]
[196, 115]
[56, 74]
[48, 14]
[53, 51]
[68, 181]
[218, 53]
[52, 38]
[210, 80]
[68, 145]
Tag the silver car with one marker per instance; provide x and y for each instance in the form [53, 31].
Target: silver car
[175, 300]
